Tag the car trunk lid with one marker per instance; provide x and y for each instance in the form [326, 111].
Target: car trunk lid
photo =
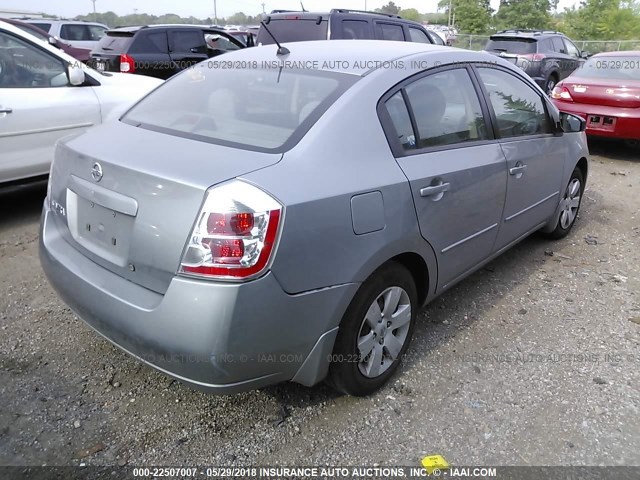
[606, 92]
[106, 56]
[130, 204]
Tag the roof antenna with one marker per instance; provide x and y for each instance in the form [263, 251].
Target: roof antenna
[302, 6]
[281, 50]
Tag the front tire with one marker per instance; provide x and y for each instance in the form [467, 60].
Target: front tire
[569, 205]
[375, 332]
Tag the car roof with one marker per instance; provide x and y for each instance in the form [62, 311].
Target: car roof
[279, 14]
[528, 34]
[356, 57]
[135, 28]
[622, 53]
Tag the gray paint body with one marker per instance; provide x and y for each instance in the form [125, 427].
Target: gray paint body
[349, 208]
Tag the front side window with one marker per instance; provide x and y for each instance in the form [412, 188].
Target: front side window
[572, 49]
[518, 108]
[96, 32]
[418, 35]
[389, 31]
[186, 41]
[219, 42]
[23, 65]
[255, 109]
[446, 110]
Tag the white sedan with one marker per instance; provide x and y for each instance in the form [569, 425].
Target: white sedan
[46, 95]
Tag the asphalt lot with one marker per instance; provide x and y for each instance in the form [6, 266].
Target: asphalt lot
[534, 360]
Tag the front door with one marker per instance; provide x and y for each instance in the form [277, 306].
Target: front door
[535, 157]
[37, 107]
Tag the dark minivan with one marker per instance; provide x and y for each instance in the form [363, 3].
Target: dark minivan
[340, 24]
[160, 50]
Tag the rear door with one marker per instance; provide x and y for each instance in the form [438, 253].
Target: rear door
[37, 107]
[187, 47]
[438, 133]
[535, 156]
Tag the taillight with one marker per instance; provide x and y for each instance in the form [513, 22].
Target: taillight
[127, 64]
[534, 57]
[235, 233]
[561, 93]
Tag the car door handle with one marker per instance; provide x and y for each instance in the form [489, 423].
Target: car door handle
[434, 190]
[6, 110]
[517, 170]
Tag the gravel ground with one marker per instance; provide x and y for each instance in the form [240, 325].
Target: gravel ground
[534, 360]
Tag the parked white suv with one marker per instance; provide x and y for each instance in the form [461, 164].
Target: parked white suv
[45, 95]
[78, 34]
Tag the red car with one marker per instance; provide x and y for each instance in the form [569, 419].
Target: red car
[82, 54]
[605, 91]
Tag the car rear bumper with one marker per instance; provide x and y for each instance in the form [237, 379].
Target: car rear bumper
[626, 121]
[219, 337]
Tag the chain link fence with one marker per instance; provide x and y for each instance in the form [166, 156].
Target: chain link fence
[477, 42]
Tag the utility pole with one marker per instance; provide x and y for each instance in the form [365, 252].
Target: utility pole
[215, 12]
[95, 15]
[263, 5]
[450, 12]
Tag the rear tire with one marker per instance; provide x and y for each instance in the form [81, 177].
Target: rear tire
[569, 205]
[551, 83]
[375, 332]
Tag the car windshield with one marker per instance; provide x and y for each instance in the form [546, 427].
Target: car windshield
[511, 45]
[615, 68]
[263, 109]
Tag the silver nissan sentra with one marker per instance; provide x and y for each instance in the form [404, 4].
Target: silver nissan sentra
[283, 215]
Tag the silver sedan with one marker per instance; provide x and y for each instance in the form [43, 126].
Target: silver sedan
[282, 215]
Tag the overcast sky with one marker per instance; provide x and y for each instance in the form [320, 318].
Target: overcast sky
[205, 8]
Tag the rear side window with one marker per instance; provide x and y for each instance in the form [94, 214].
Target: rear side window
[519, 109]
[75, 32]
[43, 26]
[150, 42]
[418, 35]
[293, 30]
[389, 31]
[511, 45]
[355, 29]
[446, 110]
[115, 43]
[263, 110]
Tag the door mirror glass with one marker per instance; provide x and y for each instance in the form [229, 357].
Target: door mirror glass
[572, 123]
[585, 54]
[75, 74]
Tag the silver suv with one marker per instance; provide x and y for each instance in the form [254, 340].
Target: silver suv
[78, 34]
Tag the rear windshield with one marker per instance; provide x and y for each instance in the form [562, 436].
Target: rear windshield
[266, 110]
[511, 45]
[616, 68]
[114, 42]
[293, 30]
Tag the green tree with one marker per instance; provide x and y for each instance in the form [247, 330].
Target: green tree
[390, 8]
[470, 16]
[603, 20]
[532, 14]
[411, 14]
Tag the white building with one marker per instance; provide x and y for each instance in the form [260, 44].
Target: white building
[4, 13]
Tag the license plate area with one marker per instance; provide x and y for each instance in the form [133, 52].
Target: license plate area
[601, 122]
[101, 66]
[102, 231]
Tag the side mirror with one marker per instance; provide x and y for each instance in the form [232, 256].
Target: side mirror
[53, 41]
[572, 123]
[585, 54]
[75, 74]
